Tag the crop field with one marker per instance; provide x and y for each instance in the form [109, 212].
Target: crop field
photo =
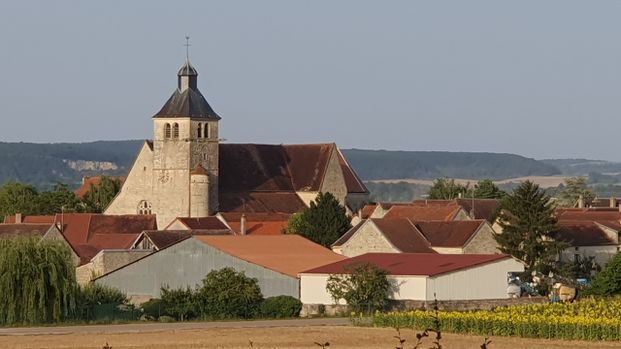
[278, 337]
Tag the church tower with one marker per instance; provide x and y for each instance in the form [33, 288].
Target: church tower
[185, 140]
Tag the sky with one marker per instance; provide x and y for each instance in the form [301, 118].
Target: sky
[536, 78]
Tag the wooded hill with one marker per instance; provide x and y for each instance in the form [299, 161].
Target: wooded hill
[44, 164]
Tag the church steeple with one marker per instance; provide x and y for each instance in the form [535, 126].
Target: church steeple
[187, 77]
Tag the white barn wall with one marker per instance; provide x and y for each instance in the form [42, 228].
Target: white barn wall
[409, 287]
[186, 264]
[487, 281]
[313, 289]
[602, 254]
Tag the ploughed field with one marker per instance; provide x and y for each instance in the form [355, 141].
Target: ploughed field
[278, 337]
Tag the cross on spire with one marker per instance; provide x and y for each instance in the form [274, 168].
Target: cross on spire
[187, 48]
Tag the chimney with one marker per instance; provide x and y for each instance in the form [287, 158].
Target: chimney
[242, 225]
[360, 213]
[580, 201]
[18, 218]
[613, 201]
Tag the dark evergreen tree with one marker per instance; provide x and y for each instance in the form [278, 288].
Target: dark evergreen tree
[99, 196]
[529, 228]
[323, 222]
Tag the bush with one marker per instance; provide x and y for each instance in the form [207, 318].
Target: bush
[608, 281]
[95, 294]
[180, 302]
[227, 293]
[280, 307]
[153, 308]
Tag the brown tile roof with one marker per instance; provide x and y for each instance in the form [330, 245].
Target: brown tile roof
[258, 223]
[426, 264]
[211, 222]
[449, 233]
[164, 238]
[87, 182]
[284, 202]
[89, 233]
[24, 229]
[286, 254]
[423, 213]
[483, 208]
[368, 210]
[583, 233]
[403, 235]
[586, 214]
[31, 219]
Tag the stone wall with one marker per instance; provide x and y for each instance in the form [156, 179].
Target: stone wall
[483, 241]
[333, 180]
[309, 310]
[367, 239]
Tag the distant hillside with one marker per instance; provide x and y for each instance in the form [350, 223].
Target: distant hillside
[584, 167]
[46, 164]
[383, 164]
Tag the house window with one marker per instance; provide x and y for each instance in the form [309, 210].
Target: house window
[144, 207]
[175, 130]
[200, 129]
[167, 131]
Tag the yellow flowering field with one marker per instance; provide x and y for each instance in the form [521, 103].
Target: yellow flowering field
[589, 319]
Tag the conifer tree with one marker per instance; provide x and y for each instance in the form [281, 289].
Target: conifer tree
[323, 222]
[529, 228]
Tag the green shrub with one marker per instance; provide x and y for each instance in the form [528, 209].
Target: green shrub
[280, 307]
[227, 293]
[153, 308]
[95, 294]
[180, 302]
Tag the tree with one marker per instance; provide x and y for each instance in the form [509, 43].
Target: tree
[446, 189]
[486, 189]
[59, 199]
[323, 222]
[364, 287]
[99, 196]
[227, 293]
[608, 281]
[37, 281]
[18, 198]
[95, 294]
[529, 228]
[180, 302]
[574, 188]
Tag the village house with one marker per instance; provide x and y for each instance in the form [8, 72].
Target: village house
[185, 171]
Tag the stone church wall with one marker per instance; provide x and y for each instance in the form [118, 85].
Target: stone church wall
[333, 180]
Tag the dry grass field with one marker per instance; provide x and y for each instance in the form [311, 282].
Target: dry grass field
[543, 181]
[277, 337]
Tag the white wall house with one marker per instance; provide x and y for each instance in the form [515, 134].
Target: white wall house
[418, 276]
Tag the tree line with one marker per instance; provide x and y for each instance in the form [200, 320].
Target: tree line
[16, 197]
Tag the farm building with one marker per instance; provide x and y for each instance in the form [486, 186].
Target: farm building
[420, 276]
[275, 261]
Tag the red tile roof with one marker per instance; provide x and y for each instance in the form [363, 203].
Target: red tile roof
[88, 182]
[425, 264]
[586, 214]
[287, 254]
[403, 235]
[423, 213]
[31, 219]
[23, 229]
[284, 202]
[368, 210]
[449, 233]
[211, 222]
[583, 233]
[258, 223]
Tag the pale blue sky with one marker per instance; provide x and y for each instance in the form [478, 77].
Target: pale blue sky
[536, 78]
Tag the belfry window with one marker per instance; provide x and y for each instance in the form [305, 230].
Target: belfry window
[207, 133]
[175, 130]
[167, 131]
[144, 207]
[200, 129]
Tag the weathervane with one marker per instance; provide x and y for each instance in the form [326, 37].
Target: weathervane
[187, 48]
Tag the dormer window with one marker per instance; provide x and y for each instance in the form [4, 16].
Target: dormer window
[175, 130]
[167, 131]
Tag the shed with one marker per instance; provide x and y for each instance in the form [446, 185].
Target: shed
[422, 276]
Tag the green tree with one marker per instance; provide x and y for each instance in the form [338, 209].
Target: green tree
[486, 189]
[574, 188]
[16, 197]
[529, 228]
[365, 287]
[59, 199]
[227, 293]
[323, 222]
[180, 302]
[95, 294]
[37, 279]
[446, 189]
[608, 281]
[99, 196]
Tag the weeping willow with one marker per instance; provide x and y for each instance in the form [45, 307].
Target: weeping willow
[37, 281]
